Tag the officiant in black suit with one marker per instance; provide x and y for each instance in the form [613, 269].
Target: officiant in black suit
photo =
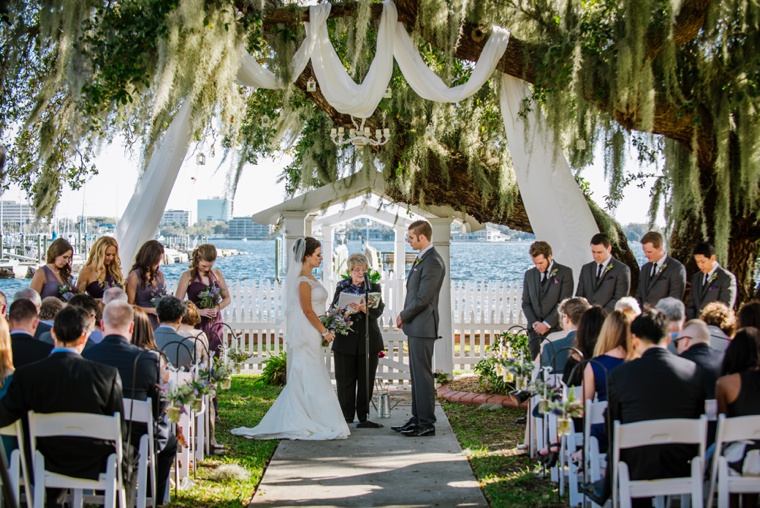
[605, 280]
[712, 283]
[419, 321]
[350, 350]
[544, 287]
[662, 276]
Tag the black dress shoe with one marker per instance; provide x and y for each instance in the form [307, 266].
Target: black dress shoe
[595, 491]
[522, 420]
[407, 426]
[520, 395]
[419, 431]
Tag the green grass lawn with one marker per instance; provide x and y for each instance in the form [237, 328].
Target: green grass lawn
[487, 437]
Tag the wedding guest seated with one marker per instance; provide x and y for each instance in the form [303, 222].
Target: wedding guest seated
[179, 350]
[585, 339]
[187, 329]
[114, 293]
[92, 306]
[721, 321]
[29, 294]
[65, 382]
[22, 318]
[630, 306]
[748, 315]
[6, 375]
[737, 390]
[142, 337]
[49, 308]
[553, 353]
[635, 394]
[3, 304]
[693, 343]
[675, 311]
[140, 377]
[612, 349]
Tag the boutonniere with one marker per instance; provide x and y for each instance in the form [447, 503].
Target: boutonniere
[553, 273]
[712, 277]
[609, 267]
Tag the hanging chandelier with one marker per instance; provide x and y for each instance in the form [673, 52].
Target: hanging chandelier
[360, 136]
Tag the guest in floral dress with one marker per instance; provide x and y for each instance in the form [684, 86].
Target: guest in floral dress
[207, 289]
[48, 280]
[102, 270]
[145, 282]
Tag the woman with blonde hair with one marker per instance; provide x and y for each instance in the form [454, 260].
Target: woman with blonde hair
[6, 364]
[612, 349]
[207, 289]
[102, 270]
[47, 281]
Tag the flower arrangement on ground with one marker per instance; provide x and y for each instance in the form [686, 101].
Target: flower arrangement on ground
[506, 360]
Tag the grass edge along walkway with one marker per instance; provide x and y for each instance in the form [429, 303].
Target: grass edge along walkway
[488, 438]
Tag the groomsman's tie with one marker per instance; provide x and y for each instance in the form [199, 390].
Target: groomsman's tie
[704, 281]
[599, 270]
[416, 261]
[654, 270]
[543, 277]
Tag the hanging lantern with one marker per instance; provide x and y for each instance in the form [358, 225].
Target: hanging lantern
[200, 159]
[388, 93]
[265, 122]
[311, 85]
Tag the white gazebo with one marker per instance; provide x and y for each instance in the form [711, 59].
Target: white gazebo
[302, 213]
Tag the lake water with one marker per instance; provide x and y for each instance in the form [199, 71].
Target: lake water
[475, 261]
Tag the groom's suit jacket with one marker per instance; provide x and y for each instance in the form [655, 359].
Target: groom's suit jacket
[540, 301]
[614, 284]
[721, 289]
[669, 280]
[420, 314]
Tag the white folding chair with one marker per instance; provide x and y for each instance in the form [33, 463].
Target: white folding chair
[594, 461]
[657, 432]
[738, 428]
[100, 427]
[18, 470]
[141, 411]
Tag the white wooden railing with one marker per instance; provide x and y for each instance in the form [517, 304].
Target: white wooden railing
[480, 311]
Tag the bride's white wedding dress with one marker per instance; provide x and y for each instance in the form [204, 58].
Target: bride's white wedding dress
[307, 407]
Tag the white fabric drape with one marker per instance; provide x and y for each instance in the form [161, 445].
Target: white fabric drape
[140, 220]
[558, 212]
[428, 85]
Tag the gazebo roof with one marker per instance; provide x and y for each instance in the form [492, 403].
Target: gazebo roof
[361, 183]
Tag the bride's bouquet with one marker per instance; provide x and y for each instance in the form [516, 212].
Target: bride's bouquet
[337, 321]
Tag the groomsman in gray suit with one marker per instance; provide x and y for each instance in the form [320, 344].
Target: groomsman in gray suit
[419, 320]
[605, 280]
[712, 283]
[662, 276]
[544, 286]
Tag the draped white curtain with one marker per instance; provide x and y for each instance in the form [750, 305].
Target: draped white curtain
[556, 208]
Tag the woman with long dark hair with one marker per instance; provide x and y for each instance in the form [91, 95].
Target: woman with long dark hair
[103, 268]
[145, 282]
[47, 281]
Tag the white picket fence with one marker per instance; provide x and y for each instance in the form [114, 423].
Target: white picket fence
[480, 311]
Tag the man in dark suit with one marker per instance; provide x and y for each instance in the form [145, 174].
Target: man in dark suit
[662, 276]
[636, 394]
[22, 320]
[179, 350]
[712, 283]
[605, 280]
[140, 377]
[66, 382]
[544, 286]
[693, 343]
[419, 321]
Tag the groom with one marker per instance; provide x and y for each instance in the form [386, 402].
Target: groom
[419, 320]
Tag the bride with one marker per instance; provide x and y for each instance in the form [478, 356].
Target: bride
[307, 407]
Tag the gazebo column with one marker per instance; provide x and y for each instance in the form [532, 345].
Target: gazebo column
[295, 228]
[327, 253]
[443, 359]
[399, 252]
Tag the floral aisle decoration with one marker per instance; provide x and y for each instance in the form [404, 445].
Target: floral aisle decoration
[506, 361]
[178, 396]
[565, 407]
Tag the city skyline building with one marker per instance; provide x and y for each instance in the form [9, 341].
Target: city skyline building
[214, 209]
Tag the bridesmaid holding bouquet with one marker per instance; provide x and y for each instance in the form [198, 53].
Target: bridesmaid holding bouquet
[145, 282]
[54, 278]
[102, 270]
[207, 289]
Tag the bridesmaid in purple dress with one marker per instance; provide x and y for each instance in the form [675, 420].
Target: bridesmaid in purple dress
[146, 281]
[57, 272]
[207, 289]
[103, 268]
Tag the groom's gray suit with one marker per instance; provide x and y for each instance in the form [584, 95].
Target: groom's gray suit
[540, 300]
[420, 325]
[605, 291]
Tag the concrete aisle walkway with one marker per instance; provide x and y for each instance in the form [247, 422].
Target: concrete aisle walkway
[373, 467]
